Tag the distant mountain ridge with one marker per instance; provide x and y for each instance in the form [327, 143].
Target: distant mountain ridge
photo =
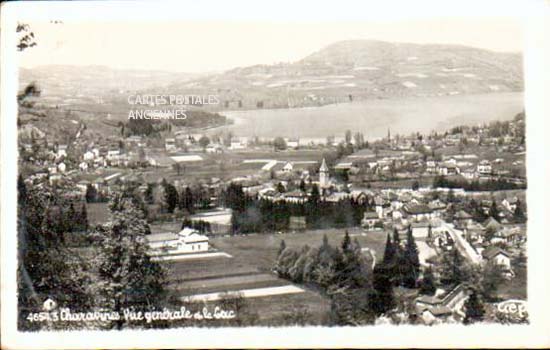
[341, 72]
[364, 69]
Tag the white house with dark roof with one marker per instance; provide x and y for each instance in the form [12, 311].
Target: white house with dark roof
[497, 256]
[187, 240]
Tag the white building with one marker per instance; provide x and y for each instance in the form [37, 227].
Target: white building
[61, 167]
[484, 167]
[83, 166]
[187, 240]
[61, 151]
[288, 167]
[89, 155]
[170, 145]
[324, 181]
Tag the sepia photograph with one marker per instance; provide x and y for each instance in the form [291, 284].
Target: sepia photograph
[215, 173]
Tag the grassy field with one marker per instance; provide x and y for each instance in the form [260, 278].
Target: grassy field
[257, 253]
[250, 267]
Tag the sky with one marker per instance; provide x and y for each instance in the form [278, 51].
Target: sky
[215, 42]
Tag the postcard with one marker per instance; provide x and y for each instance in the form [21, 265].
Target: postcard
[230, 174]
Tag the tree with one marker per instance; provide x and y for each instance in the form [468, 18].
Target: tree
[302, 185]
[279, 144]
[381, 298]
[280, 188]
[91, 194]
[170, 197]
[389, 252]
[282, 247]
[519, 215]
[26, 37]
[346, 242]
[46, 268]
[494, 212]
[396, 240]
[412, 261]
[427, 285]
[348, 137]
[473, 309]
[453, 268]
[315, 196]
[491, 279]
[83, 218]
[204, 141]
[186, 200]
[127, 277]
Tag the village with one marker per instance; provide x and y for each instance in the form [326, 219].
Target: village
[206, 195]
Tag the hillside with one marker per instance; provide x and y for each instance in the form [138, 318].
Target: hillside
[366, 70]
[341, 72]
[71, 85]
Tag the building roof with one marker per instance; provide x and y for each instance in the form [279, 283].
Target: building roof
[491, 252]
[440, 310]
[462, 215]
[160, 237]
[429, 299]
[417, 209]
[370, 215]
[190, 235]
[324, 166]
[491, 222]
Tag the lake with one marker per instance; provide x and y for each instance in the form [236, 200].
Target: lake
[374, 118]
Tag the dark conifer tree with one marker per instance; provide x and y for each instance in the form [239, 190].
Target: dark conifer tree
[389, 252]
[427, 286]
[473, 309]
[412, 267]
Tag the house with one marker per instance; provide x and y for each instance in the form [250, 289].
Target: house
[463, 219]
[484, 167]
[160, 161]
[170, 145]
[83, 166]
[442, 307]
[497, 256]
[370, 218]
[431, 166]
[436, 314]
[510, 203]
[61, 167]
[438, 207]
[293, 143]
[468, 173]
[237, 144]
[89, 155]
[288, 167]
[380, 205]
[448, 168]
[214, 148]
[61, 151]
[418, 212]
[295, 197]
[187, 240]
[492, 224]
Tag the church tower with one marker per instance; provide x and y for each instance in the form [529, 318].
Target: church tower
[324, 176]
